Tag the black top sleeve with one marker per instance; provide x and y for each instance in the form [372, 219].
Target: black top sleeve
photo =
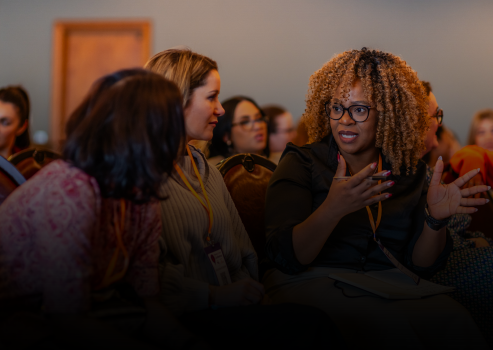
[288, 203]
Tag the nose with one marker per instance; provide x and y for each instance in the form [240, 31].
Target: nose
[346, 119]
[219, 110]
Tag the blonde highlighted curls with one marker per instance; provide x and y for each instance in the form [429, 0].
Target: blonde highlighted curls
[392, 87]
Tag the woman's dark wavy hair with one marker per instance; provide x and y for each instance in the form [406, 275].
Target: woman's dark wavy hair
[20, 99]
[223, 127]
[129, 135]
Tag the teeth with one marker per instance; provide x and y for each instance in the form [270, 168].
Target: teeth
[348, 136]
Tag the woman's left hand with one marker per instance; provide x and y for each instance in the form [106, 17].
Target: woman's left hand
[446, 200]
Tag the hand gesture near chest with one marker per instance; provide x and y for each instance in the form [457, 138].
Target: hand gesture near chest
[347, 196]
[446, 200]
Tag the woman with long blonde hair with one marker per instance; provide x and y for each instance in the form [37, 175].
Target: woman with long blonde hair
[209, 269]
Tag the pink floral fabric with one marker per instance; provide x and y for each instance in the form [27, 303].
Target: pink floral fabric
[57, 237]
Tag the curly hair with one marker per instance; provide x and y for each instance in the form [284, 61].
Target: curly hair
[391, 85]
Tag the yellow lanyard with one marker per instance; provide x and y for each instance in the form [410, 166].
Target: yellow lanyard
[108, 278]
[374, 225]
[207, 208]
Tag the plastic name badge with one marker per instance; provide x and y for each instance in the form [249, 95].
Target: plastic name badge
[216, 258]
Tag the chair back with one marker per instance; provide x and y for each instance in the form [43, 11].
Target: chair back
[246, 177]
[10, 178]
[30, 160]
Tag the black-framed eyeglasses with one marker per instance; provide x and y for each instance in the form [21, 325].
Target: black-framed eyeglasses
[358, 113]
[248, 124]
[439, 116]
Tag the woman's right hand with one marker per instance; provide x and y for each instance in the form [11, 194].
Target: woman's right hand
[243, 292]
[347, 196]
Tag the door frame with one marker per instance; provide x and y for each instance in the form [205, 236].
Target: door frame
[61, 32]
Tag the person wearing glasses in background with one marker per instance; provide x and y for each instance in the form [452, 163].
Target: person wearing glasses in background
[281, 130]
[242, 129]
[468, 269]
[366, 114]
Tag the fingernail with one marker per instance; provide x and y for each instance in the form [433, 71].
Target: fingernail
[391, 183]
[387, 173]
[479, 169]
[388, 195]
[476, 209]
[373, 165]
[489, 187]
[440, 158]
[487, 200]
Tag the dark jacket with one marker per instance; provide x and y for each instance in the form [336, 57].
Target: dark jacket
[299, 186]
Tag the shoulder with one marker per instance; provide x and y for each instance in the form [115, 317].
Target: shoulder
[314, 154]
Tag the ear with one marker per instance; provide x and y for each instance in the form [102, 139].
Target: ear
[21, 130]
[226, 137]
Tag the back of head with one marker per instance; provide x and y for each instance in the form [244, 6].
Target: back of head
[20, 99]
[394, 89]
[97, 88]
[187, 69]
[130, 136]
[476, 120]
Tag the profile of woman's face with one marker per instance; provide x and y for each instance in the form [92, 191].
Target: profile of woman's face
[10, 127]
[354, 137]
[249, 130]
[204, 109]
[484, 134]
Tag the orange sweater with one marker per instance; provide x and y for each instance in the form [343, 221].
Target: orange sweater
[474, 157]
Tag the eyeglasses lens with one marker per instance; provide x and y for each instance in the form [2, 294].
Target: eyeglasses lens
[358, 113]
[248, 125]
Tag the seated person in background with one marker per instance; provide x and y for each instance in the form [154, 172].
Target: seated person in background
[88, 225]
[440, 141]
[14, 120]
[468, 269]
[281, 130]
[199, 216]
[242, 129]
[317, 225]
[478, 154]
[301, 138]
[481, 132]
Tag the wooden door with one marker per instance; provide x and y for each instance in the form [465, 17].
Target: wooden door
[85, 51]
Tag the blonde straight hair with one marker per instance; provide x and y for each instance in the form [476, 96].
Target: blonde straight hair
[185, 68]
[478, 117]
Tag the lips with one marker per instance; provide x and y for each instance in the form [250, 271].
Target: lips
[347, 136]
[213, 123]
[260, 137]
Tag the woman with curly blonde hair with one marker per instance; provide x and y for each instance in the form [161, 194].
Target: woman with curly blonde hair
[326, 213]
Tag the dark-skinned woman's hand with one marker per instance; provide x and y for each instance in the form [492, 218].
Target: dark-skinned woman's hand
[358, 192]
[446, 200]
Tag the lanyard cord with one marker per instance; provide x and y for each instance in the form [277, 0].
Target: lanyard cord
[119, 228]
[374, 225]
[207, 208]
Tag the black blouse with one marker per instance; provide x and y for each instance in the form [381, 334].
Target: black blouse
[299, 186]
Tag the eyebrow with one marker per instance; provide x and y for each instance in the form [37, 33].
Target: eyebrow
[214, 91]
